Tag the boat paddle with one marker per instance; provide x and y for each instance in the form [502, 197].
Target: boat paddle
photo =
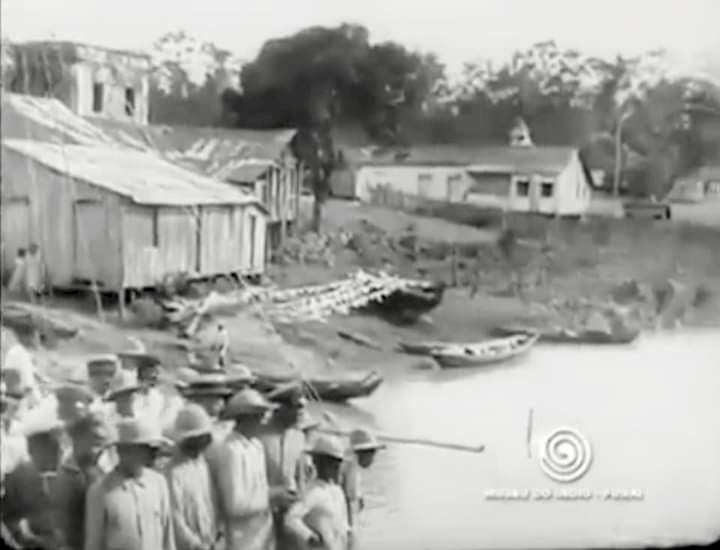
[403, 440]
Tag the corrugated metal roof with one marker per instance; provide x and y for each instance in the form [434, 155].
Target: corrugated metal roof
[476, 158]
[42, 119]
[143, 177]
[248, 172]
[208, 151]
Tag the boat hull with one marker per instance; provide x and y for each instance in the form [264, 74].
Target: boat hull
[335, 391]
[405, 307]
[420, 348]
[583, 337]
[491, 352]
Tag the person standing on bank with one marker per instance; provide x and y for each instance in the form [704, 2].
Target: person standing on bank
[363, 449]
[129, 508]
[90, 460]
[192, 494]
[319, 519]
[238, 468]
[285, 444]
[101, 372]
[35, 273]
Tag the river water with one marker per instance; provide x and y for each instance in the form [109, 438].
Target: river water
[650, 412]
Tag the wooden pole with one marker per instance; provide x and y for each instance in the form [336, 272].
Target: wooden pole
[528, 435]
[414, 441]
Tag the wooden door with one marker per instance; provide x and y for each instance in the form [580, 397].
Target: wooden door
[16, 229]
[92, 245]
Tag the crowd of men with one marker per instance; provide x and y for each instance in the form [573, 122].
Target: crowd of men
[119, 464]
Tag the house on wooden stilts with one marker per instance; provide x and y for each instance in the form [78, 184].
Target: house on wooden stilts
[125, 219]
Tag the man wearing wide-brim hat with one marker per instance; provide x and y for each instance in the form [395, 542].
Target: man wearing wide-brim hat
[27, 487]
[132, 503]
[122, 400]
[101, 372]
[285, 442]
[192, 491]
[320, 519]
[238, 466]
[364, 445]
[209, 390]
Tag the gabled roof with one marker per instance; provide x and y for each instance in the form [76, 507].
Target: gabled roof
[208, 151]
[143, 177]
[551, 160]
[476, 158]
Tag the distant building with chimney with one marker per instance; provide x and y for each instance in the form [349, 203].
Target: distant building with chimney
[94, 82]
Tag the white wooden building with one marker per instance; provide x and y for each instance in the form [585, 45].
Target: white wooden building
[546, 180]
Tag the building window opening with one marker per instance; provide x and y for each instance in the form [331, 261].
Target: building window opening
[129, 101]
[546, 190]
[522, 187]
[97, 97]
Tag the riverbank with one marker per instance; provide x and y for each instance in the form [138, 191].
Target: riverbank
[585, 266]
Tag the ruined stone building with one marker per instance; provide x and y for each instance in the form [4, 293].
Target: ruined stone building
[92, 81]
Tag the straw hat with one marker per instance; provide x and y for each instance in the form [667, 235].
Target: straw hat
[240, 376]
[102, 363]
[135, 431]
[138, 360]
[364, 440]
[246, 402]
[206, 383]
[328, 446]
[290, 394]
[191, 421]
[43, 419]
[122, 391]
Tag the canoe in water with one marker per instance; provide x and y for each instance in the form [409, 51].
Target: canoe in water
[568, 336]
[337, 391]
[484, 353]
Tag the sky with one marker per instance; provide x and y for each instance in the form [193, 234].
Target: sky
[456, 30]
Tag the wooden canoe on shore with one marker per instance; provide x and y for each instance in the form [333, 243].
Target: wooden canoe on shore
[568, 336]
[484, 353]
[421, 348]
[336, 391]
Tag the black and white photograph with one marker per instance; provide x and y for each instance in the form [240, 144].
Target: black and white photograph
[360, 275]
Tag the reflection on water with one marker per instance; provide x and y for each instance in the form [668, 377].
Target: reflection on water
[650, 412]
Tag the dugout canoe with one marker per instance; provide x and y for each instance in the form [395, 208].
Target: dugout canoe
[483, 353]
[569, 336]
[334, 390]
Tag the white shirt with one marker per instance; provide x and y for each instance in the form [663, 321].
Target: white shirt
[327, 501]
[238, 466]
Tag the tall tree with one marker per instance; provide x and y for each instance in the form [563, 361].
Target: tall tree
[188, 79]
[322, 77]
